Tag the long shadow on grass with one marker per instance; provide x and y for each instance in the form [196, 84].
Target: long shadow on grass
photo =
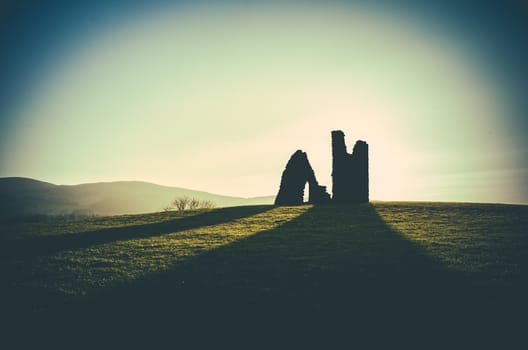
[30, 247]
[335, 277]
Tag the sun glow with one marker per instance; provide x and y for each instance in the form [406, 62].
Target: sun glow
[218, 100]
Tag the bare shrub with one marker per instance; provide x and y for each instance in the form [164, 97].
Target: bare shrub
[181, 203]
[194, 203]
[207, 204]
[184, 203]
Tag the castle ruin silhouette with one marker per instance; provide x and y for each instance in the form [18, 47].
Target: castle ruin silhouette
[350, 176]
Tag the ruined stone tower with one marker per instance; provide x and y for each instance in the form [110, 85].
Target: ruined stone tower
[297, 173]
[350, 176]
[350, 173]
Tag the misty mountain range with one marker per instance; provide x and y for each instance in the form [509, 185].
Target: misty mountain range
[25, 197]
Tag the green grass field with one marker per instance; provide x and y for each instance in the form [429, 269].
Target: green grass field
[379, 275]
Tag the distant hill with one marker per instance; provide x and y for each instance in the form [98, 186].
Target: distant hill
[25, 197]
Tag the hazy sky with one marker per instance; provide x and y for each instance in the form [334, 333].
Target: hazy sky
[217, 97]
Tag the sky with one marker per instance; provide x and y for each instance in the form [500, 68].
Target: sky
[216, 96]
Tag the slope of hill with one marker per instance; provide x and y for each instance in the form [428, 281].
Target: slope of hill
[381, 275]
[23, 197]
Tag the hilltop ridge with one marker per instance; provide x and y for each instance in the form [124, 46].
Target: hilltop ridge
[22, 196]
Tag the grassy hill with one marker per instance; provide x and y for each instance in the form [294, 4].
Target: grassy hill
[381, 275]
[28, 197]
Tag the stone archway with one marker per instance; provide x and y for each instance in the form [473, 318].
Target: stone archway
[297, 173]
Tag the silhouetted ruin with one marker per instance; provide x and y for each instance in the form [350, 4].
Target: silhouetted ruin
[297, 173]
[350, 176]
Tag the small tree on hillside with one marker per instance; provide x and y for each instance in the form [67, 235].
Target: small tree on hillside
[184, 203]
[181, 203]
[194, 203]
[207, 204]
